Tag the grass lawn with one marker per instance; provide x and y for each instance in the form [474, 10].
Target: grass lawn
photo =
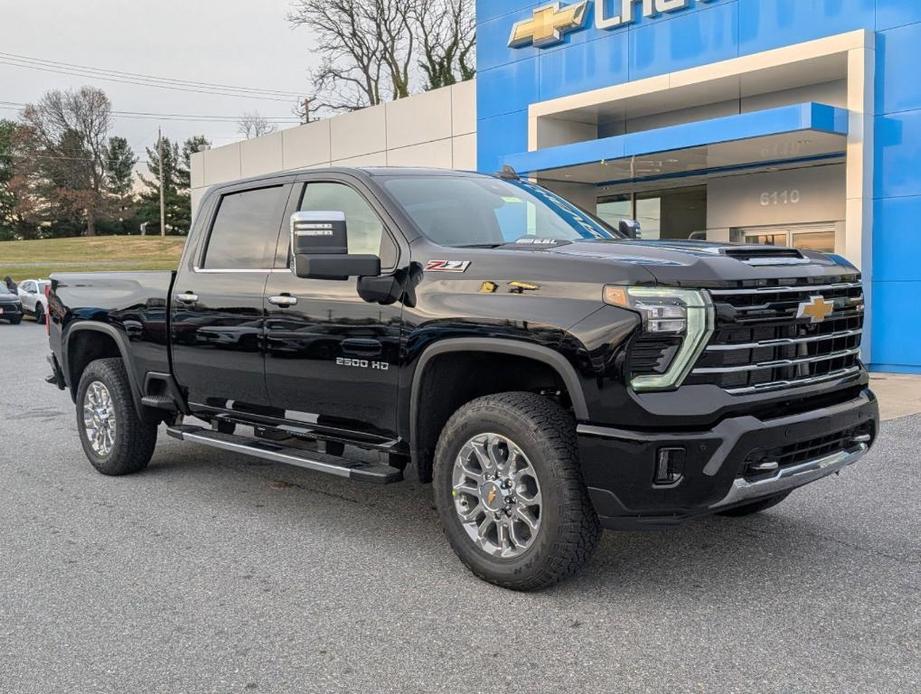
[38, 259]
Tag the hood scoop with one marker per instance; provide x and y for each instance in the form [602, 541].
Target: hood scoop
[759, 256]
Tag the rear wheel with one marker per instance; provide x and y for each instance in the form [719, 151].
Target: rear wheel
[754, 507]
[510, 494]
[115, 439]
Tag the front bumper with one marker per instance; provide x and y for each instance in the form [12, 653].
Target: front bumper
[11, 311]
[619, 466]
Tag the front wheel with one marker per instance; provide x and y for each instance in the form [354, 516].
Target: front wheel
[115, 439]
[510, 494]
[39, 314]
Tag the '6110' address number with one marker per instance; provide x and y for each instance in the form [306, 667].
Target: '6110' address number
[781, 197]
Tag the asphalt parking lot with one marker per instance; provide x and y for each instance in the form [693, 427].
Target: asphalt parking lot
[214, 573]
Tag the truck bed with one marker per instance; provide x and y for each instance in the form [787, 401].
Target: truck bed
[134, 304]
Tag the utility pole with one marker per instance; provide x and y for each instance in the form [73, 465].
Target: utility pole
[162, 193]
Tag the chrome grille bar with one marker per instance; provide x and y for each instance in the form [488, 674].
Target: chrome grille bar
[781, 342]
[787, 290]
[777, 385]
[780, 363]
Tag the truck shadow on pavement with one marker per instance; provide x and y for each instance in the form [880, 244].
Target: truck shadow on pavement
[774, 552]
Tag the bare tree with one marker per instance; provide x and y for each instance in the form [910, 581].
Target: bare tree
[252, 124]
[367, 48]
[447, 40]
[68, 137]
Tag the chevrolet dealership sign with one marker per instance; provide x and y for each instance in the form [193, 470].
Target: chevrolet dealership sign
[548, 25]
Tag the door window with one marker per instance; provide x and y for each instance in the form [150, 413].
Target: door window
[245, 230]
[28, 287]
[365, 229]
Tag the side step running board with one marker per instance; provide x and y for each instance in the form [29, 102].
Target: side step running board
[277, 453]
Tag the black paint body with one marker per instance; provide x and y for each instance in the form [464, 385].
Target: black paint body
[234, 353]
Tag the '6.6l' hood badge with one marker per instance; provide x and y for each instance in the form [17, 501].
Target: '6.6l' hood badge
[817, 308]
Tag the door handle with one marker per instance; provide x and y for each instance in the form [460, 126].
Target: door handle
[283, 300]
[363, 346]
[187, 298]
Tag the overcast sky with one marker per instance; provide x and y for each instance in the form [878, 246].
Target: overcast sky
[244, 43]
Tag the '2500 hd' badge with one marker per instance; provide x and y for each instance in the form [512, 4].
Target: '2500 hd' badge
[447, 266]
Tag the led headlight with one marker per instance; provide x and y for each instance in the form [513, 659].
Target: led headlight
[667, 311]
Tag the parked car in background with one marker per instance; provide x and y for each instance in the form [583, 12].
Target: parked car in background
[10, 306]
[32, 296]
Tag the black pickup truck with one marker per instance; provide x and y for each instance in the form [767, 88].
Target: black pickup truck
[548, 374]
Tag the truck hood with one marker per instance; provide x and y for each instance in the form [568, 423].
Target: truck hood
[701, 263]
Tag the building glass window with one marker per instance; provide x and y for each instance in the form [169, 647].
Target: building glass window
[668, 214]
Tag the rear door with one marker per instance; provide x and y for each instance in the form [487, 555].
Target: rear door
[217, 308]
[331, 357]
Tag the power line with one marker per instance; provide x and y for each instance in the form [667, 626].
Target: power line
[147, 115]
[172, 80]
[121, 80]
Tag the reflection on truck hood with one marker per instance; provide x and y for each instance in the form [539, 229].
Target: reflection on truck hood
[700, 262]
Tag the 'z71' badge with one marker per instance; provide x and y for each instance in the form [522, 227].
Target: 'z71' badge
[447, 266]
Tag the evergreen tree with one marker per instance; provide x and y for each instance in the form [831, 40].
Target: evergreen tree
[120, 161]
[7, 196]
[149, 210]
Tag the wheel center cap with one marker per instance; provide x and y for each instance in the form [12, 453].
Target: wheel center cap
[493, 498]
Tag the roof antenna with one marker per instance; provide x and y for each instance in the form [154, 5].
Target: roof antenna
[508, 174]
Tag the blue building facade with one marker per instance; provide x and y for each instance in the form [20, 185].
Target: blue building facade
[793, 122]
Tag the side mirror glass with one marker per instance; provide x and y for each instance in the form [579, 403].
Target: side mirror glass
[320, 248]
[630, 228]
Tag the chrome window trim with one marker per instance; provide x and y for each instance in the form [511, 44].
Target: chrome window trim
[783, 341]
[777, 364]
[213, 271]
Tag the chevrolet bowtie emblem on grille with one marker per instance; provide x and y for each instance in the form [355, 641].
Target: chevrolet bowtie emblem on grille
[817, 308]
[548, 25]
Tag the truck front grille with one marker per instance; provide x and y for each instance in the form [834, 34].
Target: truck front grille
[760, 344]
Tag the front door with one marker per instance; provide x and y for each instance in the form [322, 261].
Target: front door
[217, 307]
[331, 357]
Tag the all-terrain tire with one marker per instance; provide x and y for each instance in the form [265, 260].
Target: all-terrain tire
[569, 528]
[754, 507]
[134, 439]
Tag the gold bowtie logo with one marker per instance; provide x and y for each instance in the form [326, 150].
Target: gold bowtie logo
[817, 308]
[548, 25]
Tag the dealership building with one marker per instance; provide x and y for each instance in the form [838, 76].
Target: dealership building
[790, 122]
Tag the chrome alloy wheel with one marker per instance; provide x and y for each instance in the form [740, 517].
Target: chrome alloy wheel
[497, 495]
[99, 418]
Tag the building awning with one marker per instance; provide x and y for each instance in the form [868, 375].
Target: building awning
[801, 132]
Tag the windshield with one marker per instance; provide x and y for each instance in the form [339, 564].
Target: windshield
[464, 211]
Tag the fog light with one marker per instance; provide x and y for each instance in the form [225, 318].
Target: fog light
[669, 467]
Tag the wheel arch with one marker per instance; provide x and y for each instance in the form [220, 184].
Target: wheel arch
[79, 351]
[549, 358]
